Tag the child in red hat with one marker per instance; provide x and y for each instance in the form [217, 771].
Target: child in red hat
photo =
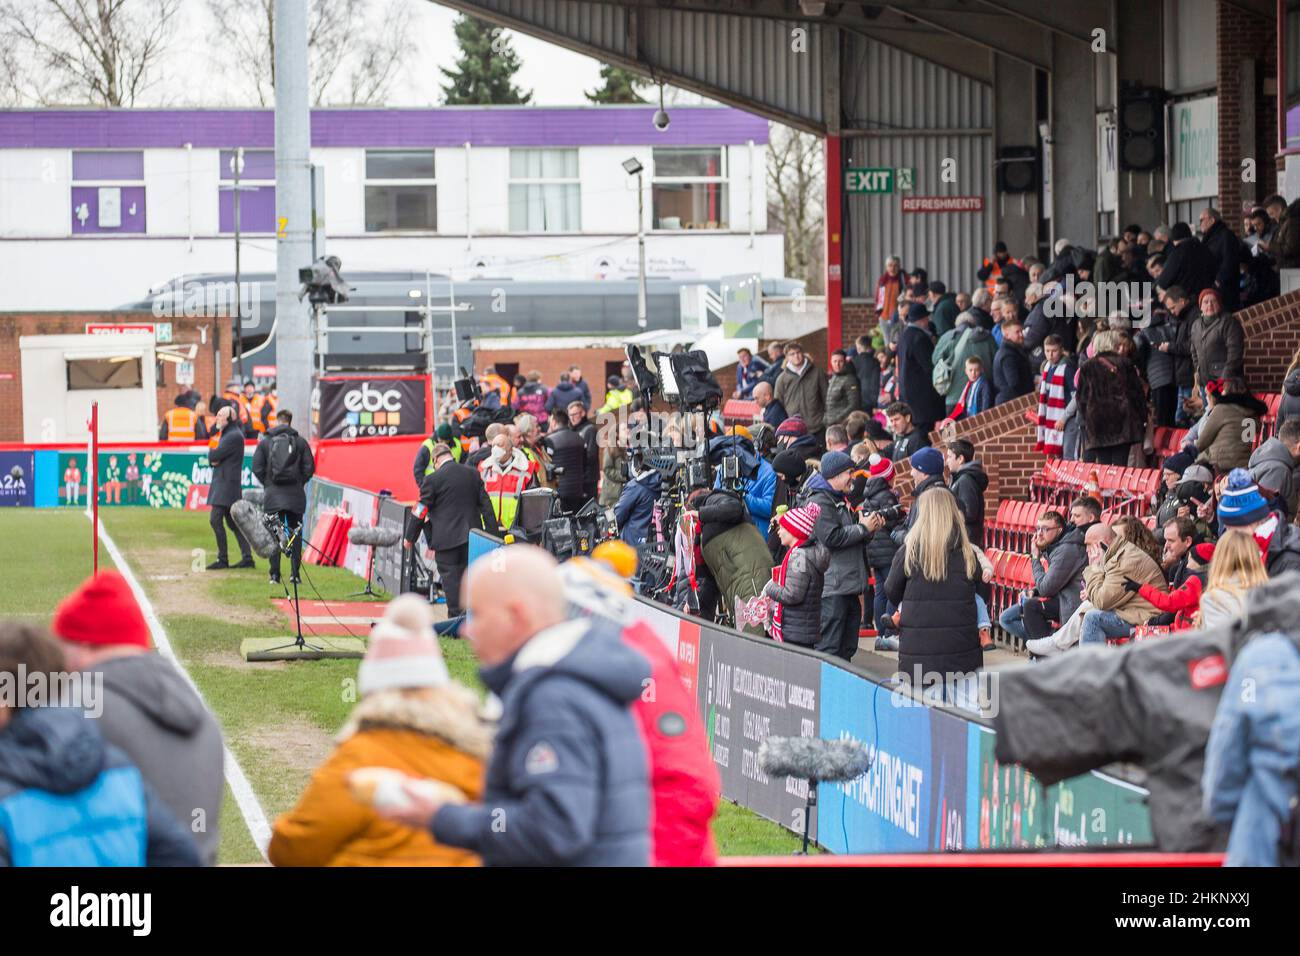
[796, 585]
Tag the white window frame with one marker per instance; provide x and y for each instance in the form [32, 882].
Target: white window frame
[367, 182]
[74, 183]
[576, 182]
[723, 178]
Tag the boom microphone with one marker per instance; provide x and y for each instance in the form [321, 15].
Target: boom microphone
[374, 537]
[255, 496]
[248, 519]
[813, 759]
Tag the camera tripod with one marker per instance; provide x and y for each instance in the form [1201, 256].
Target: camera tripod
[284, 539]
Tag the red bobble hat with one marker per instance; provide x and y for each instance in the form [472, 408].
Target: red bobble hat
[880, 467]
[800, 521]
[102, 611]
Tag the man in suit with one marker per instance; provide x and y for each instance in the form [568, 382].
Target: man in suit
[450, 498]
[227, 461]
[916, 370]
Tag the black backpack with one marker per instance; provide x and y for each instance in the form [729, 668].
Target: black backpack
[282, 459]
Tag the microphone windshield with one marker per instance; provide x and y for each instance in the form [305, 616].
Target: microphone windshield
[374, 537]
[812, 758]
[248, 519]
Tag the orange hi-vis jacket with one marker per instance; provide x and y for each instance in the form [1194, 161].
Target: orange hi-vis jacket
[495, 383]
[180, 423]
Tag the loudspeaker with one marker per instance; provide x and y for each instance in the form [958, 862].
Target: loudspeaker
[1141, 129]
[1018, 169]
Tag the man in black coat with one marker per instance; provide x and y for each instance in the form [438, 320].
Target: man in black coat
[1013, 375]
[283, 463]
[568, 453]
[451, 498]
[968, 483]
[867, 368]
[225, 488]
[916, 370]
[587, 430]
[1226, 249]
[1188, 264]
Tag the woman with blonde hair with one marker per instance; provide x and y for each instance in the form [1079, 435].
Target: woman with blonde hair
[933, 582]
[1235, 569]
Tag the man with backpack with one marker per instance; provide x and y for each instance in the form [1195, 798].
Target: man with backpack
[283, 463]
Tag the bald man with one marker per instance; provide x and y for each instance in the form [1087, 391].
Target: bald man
[568, 781]
[1109, 609]
[773, 411]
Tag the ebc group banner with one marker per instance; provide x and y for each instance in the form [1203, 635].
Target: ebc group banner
[371, 407]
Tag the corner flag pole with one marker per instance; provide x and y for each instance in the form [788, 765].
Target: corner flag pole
[93, 489]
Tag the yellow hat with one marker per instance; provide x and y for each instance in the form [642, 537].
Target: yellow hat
[742, 431]
[619, 556]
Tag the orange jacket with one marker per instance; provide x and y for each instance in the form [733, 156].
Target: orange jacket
[439, 738]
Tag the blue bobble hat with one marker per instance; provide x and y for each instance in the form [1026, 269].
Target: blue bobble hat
[1242, 504]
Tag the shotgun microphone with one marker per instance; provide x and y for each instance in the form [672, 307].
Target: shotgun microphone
[248, 519]
[254, 496]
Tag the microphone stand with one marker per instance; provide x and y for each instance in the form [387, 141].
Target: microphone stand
[809, 805]
[285, 544]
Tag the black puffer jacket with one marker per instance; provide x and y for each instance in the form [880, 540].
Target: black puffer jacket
[938, 624]
[839, 531]
[969, 484]
[568, 450]
[878, 496]
[289, 496]
[801, 597]
[1063, 578]
[1226, 248]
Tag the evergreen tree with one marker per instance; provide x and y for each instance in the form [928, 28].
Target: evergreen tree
[483, 74]
[617, 86]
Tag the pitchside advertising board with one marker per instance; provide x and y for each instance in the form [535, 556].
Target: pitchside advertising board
[148, 479]
[933, 784]
[324, 495]
[369, 407]
[17, 479]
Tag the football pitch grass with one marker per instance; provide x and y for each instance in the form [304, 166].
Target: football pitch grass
[278, 718]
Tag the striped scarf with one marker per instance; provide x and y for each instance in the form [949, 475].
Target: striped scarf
[778, 575]
[1051, 411]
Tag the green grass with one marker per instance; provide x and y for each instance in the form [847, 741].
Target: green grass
[278, 719]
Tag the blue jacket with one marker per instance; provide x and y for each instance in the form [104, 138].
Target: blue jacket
[1254, 749]
[979, 398]
[635, 507]
[69, 799]
[568, 781]
[758, 481]
[774, 414]
[563, 394]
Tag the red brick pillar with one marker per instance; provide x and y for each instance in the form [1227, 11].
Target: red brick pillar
[1246, 44]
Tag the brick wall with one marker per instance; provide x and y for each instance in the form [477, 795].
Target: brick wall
[1004, 441]
[858, 317]
[185, 331]
[1241, 36]
[1272, 336]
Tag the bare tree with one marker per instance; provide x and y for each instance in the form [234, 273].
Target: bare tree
[349, 45]
[104, 52]
[796, 202]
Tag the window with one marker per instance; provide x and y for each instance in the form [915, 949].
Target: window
[107, 192]
[401, 193]
[256, 192]
[97, 373]
[690, 188]
[544, 193]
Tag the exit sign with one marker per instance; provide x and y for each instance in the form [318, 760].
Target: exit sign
[869, 181]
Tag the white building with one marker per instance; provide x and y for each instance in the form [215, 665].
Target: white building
[99, 206]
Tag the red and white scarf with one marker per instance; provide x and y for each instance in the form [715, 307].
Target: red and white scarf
[778, 575]
[1051, 411]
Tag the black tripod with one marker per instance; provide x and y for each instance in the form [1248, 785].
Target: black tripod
[284, 539]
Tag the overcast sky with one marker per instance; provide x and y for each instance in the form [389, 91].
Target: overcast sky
[556, 76]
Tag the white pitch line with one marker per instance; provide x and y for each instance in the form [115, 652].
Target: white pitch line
[254, 817]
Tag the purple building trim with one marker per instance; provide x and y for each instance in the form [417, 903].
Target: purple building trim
[258, 164]
[256, 210]
[111, 166]
[85, 211]
[445, 126]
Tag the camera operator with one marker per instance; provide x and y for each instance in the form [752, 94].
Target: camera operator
[568, 453]
[755, 478]
[881, 513]
[637, 500]
[844, 537]
[283, 463]
[587, 429]
[734, 550]
[452, 498]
